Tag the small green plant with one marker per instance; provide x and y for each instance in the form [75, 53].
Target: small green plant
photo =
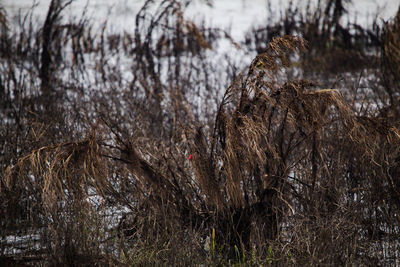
[237, 254]
[213, 242]
[269, 255]
[253, 255]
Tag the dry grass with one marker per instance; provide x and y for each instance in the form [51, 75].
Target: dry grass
[281, 171]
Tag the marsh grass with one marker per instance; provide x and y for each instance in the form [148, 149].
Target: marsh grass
[95, 168]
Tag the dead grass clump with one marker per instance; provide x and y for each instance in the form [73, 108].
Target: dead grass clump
[281, 154]
[54, 185]
[65, 169]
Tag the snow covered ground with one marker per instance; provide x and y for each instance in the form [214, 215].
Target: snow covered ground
[235, 16]
[238, 15]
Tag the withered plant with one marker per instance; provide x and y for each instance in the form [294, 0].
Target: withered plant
[139, 157]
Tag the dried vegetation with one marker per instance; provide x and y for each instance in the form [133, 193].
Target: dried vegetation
[137, 159]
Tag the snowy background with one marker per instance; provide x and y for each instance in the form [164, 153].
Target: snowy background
[236, 15]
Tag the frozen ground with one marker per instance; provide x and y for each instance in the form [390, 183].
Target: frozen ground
[235, 16]
[238, 15]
